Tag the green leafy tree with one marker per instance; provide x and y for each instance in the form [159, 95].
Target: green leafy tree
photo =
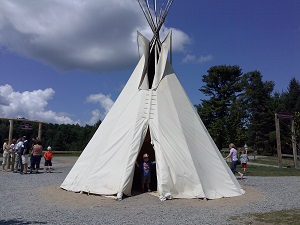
[291, 104]
[222, 86]
[291, 98]
[260, 111]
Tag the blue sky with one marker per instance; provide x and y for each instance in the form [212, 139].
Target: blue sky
[67, 61]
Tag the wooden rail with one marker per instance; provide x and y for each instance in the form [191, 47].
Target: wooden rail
[290, 156]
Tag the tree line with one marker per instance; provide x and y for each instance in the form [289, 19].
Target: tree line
[240, 108]
[61, 137]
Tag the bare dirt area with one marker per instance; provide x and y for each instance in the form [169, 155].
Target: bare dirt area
[54, 194]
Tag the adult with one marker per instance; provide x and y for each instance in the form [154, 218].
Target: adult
[37, 150]
[6, 149]
[25, 153]
[12, 152]
[33, 142]
[233, 154]
[18, 154]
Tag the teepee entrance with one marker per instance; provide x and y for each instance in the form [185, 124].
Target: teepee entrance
[147, 147]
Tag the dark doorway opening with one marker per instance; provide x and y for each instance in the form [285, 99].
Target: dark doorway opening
[146, 148]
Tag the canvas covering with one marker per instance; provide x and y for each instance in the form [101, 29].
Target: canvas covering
[188, 163]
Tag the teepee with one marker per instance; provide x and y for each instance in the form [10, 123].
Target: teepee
[154, 104]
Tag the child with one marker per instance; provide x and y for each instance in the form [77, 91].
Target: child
[146, 172]
[48, 157]
[244, 159]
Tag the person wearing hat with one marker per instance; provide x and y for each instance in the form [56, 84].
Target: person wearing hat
[48, 155]
[146, 172]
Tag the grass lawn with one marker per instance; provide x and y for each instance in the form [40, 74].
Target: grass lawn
[268, 171]
[256, 170]
[289, 217]
[272, 160]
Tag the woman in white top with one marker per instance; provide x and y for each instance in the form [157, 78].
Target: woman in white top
[6, 149]
[233, 154]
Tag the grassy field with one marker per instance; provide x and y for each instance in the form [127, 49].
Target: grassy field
[272, 160]
[266, 171]
[288, 217]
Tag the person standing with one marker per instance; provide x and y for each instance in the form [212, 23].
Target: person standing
[146, 172]
[12, 152]
[48, 159]
[233, 154]
[37, 150]
[244, 160]
[6, 149]
[18, 158]
[25, 153]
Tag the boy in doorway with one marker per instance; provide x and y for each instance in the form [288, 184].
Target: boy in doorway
[146, 172]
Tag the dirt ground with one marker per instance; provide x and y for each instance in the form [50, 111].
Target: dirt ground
[70, 199]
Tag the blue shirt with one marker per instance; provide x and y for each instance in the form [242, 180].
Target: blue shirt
[25, 147]
[146, 168]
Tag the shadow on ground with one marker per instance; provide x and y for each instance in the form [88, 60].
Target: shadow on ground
[20, 222]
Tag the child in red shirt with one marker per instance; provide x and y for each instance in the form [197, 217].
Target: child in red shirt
[48, 155]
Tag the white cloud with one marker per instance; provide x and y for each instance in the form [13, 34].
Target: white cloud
[94, 35]
[104, 101]
[30, 105]
[96, 116]
[194, 59]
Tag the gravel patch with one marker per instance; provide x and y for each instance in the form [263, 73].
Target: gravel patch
[37, 199]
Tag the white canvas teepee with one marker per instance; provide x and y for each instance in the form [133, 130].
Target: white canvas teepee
[188, 163]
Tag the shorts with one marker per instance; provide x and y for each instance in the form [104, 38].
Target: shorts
[244, 165]
[5, 157]
[48, 163]
[24, 159]
[146, 179]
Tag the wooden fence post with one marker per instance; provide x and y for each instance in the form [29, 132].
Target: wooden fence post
[278, 141]
[11, 128]
[294, 145]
